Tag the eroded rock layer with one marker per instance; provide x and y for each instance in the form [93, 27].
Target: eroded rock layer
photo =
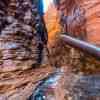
[79, 21]
[23, 39]
[22, 35]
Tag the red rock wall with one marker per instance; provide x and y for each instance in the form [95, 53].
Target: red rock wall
[82, 18]
[53, 26]
[74, 17]
[92, 10]
[19, 49]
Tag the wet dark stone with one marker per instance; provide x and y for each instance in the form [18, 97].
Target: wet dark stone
[47, 83]
[87, 86]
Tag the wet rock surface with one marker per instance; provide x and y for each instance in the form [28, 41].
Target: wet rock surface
[45, 90]
[88, 85]
[70, 87]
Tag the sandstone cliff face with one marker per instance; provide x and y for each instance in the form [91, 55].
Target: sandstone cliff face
[21, 41]
[78, 19]
[23, 38]
[21, 46]
[81, 18]
[14, 39]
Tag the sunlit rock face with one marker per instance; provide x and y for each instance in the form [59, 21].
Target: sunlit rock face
[72, 18]
[78, 19]
[74, 21]
[21, 37]
[81, 18]
[51, 17]
[92, 20]
[55, 46]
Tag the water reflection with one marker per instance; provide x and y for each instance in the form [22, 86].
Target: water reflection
[45, 90]
[85, 87]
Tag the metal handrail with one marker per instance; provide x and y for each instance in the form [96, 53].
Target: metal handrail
[82, 45]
